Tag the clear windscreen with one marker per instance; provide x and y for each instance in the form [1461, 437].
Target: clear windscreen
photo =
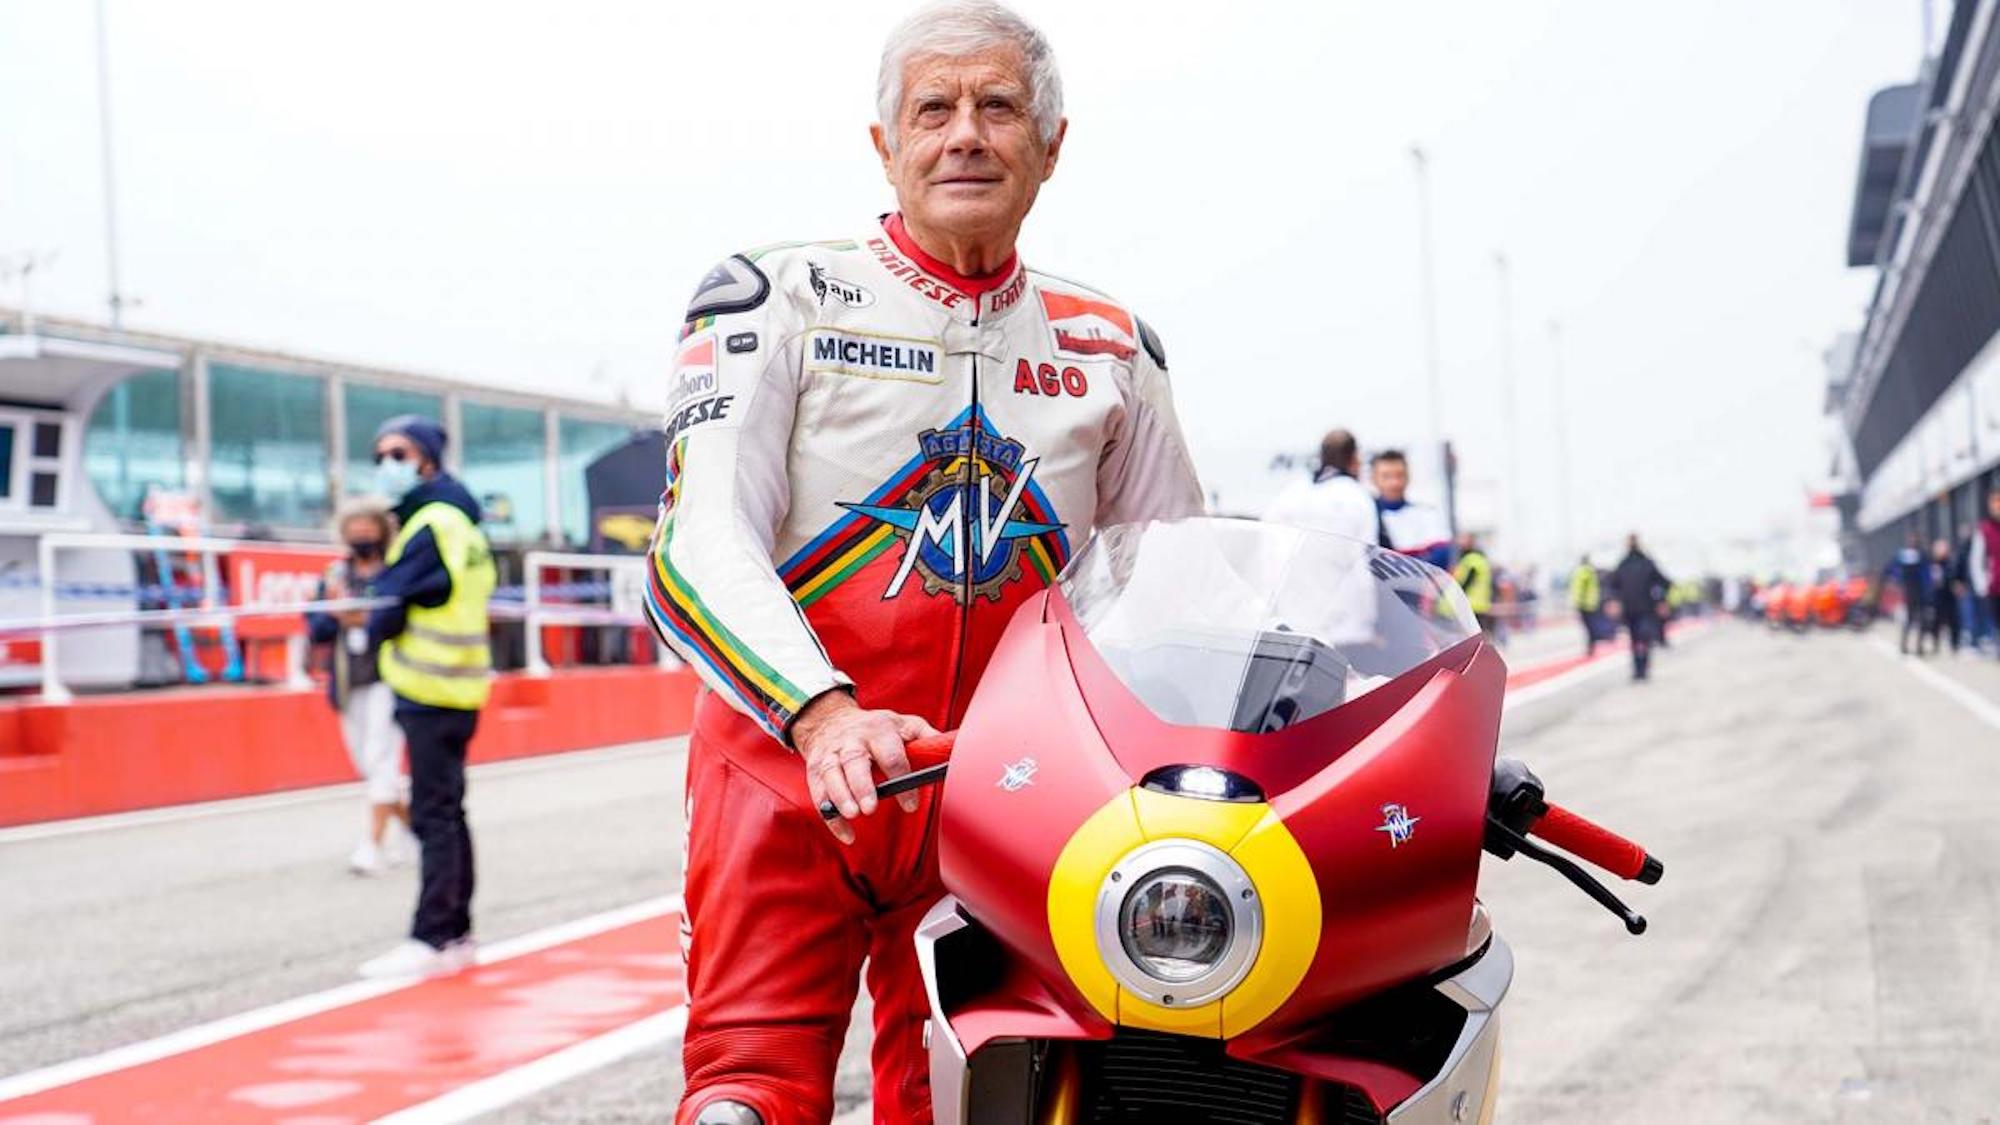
[1250, 626]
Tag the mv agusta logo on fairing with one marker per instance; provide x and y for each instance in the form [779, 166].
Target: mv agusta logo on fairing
[966, 522]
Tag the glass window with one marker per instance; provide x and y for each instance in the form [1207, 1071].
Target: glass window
[366, 409]
[582, 442]
[133, 442]
[48, 440]
[501, 462]
[268, 455]
[6, 461]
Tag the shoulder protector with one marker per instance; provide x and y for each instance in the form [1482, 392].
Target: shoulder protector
[734, 285]
[1151, 341]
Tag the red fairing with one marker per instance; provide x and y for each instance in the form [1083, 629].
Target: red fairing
[1425, 742]
[997, 848]
[1393, 914]
[1024, 1005]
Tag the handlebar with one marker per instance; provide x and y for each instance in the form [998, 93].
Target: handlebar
[1597, 845]
[1518, 807]
[928, 759]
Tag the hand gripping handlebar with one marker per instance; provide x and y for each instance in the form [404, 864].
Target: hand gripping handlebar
[928, 759]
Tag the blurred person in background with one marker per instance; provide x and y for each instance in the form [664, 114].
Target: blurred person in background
[366, 705]
[1411, 528]
[1474, 574]
[1642, 590]
[1971, 592]
[437, 656]
[1910, 571]
[1333, 500]
[1946, 582]
[1586, 597]
[1983, 569]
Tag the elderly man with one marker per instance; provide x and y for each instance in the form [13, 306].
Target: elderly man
[879, 447]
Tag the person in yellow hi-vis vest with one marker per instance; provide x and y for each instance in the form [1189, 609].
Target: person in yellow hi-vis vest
[437, 659]
[1586, 597]
[1475, 575]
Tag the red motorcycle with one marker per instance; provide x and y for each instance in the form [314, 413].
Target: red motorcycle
[1212, 833]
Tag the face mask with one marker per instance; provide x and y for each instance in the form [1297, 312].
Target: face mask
[395, 479]
[366, 550]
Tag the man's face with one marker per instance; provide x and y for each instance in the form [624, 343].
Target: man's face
[1993, 503]
[396, 447]
[1392, 479]
[968, 158]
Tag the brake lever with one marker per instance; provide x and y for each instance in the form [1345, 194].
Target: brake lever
[915, 779]
[1514, 841]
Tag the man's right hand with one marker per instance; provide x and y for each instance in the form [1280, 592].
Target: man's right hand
[840, 743]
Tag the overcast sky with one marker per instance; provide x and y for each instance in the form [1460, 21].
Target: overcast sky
[525, 195]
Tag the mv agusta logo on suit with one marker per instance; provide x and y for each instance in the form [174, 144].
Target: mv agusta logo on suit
[962, 524]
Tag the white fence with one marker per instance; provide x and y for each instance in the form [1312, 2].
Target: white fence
[615, 601]
[626, 575]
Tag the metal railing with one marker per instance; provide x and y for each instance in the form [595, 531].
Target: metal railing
[612, 603]
[628, 570]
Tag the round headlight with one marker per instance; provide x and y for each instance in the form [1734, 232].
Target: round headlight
[1178, 922]
[1175, 925]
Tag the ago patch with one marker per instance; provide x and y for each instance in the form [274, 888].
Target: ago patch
[872, 356]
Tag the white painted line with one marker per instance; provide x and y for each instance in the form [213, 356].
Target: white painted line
[286, 1011]
[510, 1086]
[345, 791]
[1982, 708]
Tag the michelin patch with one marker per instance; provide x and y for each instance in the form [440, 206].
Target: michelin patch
[872, 356]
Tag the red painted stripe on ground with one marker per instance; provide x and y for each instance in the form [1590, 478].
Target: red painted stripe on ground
[1549, 669]
[1535, 674]
[358, 1062]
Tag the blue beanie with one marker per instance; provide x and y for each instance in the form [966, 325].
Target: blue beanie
[423, 432]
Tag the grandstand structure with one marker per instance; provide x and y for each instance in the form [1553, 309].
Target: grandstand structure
[1916, 397]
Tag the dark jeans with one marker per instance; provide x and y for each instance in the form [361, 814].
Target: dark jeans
[1916, 613]
[1943, 619]
[437, 742]
[1589, 619]
[1644, 631]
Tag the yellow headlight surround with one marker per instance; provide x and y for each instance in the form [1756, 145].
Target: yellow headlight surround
[1251, 835]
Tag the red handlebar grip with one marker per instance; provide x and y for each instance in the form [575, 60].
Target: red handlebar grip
[1588, 842]
[926, 752]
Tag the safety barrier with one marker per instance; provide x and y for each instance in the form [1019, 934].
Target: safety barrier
[625, 591]
[610, 602]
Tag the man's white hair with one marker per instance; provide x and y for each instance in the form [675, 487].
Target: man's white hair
[955, 29]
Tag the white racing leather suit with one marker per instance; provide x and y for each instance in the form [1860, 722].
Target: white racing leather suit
[871, 463]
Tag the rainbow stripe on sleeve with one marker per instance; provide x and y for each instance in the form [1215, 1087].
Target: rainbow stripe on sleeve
[678, 611]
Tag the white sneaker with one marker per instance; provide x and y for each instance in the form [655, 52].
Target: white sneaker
[411, 958]
[463, 953]
[366, 859]
[400, 848]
